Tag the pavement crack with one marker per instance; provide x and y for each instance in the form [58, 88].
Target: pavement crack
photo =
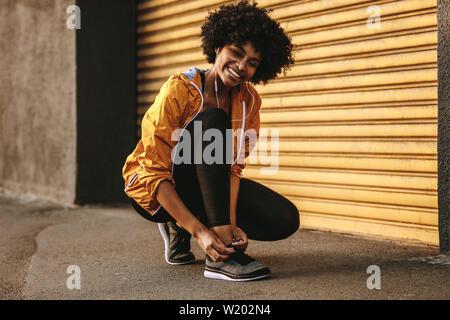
[35, 250]
[441, 259]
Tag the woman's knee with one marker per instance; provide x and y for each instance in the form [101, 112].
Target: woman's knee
[281, 225]
[290, 219]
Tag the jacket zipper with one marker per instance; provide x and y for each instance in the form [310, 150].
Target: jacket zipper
[133, 178]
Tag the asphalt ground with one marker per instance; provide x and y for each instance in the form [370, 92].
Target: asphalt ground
[109, 252]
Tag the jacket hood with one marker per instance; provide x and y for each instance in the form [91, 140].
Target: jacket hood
[193, 75]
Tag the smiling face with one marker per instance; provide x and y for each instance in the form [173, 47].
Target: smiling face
[237, 63]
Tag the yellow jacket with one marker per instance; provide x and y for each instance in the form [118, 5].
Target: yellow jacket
[179, 101]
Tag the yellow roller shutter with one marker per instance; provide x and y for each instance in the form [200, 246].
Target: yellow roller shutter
[356, 115]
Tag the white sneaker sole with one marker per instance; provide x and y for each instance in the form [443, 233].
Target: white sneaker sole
[220, 276]
[165, 237]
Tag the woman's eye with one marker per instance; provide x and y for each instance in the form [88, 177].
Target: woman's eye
[236, 53]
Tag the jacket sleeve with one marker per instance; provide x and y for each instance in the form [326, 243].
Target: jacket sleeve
[158, 124]
[250, 135]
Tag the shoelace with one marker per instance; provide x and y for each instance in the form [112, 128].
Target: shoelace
[241, 258]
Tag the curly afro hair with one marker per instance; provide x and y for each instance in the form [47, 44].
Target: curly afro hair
[246, 22]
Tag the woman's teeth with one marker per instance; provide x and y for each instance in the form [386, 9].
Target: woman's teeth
[233, 73]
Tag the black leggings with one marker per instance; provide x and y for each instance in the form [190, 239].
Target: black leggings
[205, 190]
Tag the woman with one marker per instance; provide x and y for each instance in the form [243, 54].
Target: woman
[169, 180]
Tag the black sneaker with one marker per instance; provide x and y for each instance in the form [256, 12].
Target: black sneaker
[238, 267]
[177, 244]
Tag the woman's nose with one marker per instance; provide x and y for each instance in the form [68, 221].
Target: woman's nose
[240, 66]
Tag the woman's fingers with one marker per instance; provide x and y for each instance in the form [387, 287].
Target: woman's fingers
[240, 239]
[223, 252]
[220, 257]
[227, 251]
[245, 240]
[240, 245]
[217, 256]
[215, 248]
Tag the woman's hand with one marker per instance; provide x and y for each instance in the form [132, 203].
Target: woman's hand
[212, 245]
[208, 241]
[240, 240]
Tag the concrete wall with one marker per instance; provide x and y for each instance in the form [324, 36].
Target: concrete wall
[37, 99]
[444, 123]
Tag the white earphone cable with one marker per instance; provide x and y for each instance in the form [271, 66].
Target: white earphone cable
[215, 89]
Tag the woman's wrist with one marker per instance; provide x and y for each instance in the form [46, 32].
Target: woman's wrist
[233, 218]
[197, 229]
